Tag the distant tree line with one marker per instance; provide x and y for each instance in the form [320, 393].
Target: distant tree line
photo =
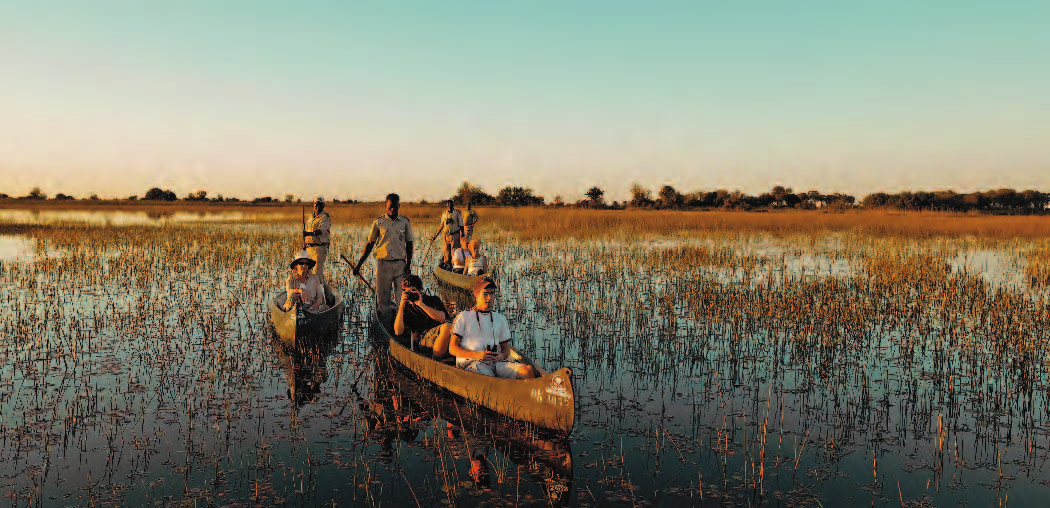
[1007, 201]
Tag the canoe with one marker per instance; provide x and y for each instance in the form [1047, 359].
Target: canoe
[455, 279]
[547, 401]
[297, 326]
[404, 405]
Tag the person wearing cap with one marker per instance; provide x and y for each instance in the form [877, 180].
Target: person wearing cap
[477, 263]
[424, 316]
[304, 286]
[451, 224]
[481, 338]
[391, 238]
[469, 221]
[317, 236]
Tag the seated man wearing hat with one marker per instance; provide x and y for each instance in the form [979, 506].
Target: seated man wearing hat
[304, 286]
[481, 338]
[423, 315]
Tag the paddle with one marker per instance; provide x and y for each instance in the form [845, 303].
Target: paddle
[358, 274]
[304, 227]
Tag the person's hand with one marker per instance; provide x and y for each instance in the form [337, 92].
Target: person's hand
[490, 357]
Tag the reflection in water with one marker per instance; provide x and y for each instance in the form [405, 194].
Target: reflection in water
[493, 446]
[305, 368]
[122, 218]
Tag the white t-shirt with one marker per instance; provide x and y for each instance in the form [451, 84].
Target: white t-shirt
[459, 258]
[480, 329]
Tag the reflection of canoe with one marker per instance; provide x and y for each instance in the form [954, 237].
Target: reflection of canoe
[305, 367]
[455, 279]
[547, 401]
[545, 455]
[294, 326]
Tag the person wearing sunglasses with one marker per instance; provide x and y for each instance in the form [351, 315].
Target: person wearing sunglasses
[481, 338]
[304, 286]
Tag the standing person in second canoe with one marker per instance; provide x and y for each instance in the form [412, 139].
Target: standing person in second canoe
[469, 221]
[317, 235]
[452, 226]
[391, 236]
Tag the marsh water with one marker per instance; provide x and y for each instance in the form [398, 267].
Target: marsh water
[138, 367]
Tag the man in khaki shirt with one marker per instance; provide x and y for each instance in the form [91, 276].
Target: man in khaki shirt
[317, 235]
[391, 238]
[452, 226]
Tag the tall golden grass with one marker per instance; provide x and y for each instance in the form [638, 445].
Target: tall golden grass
[530, 223]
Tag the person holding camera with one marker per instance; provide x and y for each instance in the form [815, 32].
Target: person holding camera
[452, 225]
[423, 316]
[481, 338]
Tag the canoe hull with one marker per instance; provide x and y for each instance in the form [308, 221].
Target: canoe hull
[296, 326]
[547, 401]
[457, 280]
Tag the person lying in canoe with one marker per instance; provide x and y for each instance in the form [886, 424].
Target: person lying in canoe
[477, 263]
[423, 315]
[481, 338]
[304, 286]
[459, 258]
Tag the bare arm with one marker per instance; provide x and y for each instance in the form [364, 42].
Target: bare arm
[456, 350]
[364, 255]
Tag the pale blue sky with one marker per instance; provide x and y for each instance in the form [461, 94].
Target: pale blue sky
[351, 99]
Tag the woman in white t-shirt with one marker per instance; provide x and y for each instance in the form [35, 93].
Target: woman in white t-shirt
[477, 263]
[481, 338]
[459, 258]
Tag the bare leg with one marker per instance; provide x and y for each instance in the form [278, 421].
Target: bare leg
[441, 343]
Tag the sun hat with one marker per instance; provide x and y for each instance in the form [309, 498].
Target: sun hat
[483, 283]
[302, 256]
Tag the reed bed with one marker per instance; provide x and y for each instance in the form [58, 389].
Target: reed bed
[720, 363]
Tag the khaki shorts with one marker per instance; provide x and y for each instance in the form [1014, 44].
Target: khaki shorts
[430, 336]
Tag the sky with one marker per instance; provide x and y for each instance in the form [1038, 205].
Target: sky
[347, 99]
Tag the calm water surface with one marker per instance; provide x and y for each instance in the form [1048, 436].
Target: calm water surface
[143, 371]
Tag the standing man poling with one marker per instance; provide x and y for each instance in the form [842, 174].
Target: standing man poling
[468, 223]
[452, 226]
[317, 235]
[391, 237]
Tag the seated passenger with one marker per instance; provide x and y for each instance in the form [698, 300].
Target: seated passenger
[477, 263]
[304, 286]
[481, 338]
[423, 315]
[459, 259]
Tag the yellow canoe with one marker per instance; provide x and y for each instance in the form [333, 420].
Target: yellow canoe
[455, 279]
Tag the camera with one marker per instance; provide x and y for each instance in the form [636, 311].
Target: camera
[492, 348]
[413, 296]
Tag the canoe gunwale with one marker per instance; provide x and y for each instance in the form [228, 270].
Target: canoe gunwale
[547, 401]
